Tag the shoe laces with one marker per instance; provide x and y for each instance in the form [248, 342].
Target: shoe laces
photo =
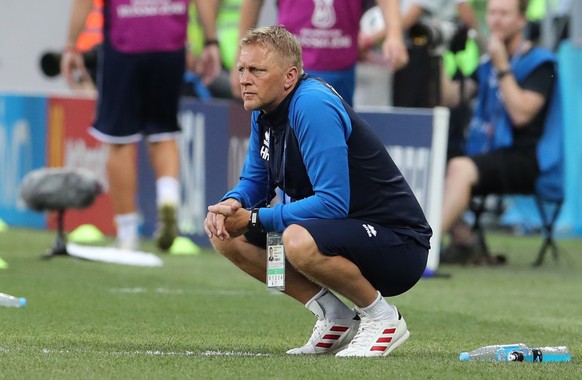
[320, 326]
[366, 332]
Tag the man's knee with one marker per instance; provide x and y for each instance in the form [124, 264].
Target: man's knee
[300, 248]
[462, 169]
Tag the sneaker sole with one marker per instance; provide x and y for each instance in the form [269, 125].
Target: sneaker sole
[347, 339]
[397, 344]
[370, 354]
[168, 229]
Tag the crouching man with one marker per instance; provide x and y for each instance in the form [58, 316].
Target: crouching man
[349, 221]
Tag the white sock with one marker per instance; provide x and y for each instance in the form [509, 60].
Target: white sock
[326, 305]
[167, 191]
[380, 309]
[127, 227]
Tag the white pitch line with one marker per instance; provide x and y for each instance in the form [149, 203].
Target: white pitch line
[213, 292]
[153, 353]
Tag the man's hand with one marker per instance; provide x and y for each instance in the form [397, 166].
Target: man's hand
[208, 65]
[73, 69]
[395, 53]
[226, 219]
[498, 53]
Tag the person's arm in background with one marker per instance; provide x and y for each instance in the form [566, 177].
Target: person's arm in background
[451, 93]
[249, 17]
[209, 64]
[521, 104]
[393, 47]
[72, 64]
[412, 16]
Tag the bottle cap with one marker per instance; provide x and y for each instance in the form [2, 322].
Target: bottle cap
[464, 356]
[22, 301]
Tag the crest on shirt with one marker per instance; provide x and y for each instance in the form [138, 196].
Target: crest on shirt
[323, 16]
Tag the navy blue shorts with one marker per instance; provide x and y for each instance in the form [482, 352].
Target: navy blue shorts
[138, 95]
[392, 262]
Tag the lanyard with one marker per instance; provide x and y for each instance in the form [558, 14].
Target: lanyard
[281, 171]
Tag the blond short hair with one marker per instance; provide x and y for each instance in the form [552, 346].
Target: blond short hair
[279, 40]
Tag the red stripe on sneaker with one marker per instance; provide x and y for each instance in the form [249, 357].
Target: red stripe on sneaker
[339, 328]
[324, 345]
[378, 348]
[331, 336]
[384, 340]
[389, 331]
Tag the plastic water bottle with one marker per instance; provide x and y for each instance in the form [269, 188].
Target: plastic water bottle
[518, 352]
[548, 354]
[493, 353]
[11, 301]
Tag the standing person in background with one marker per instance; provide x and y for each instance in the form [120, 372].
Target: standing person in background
[414, 85]
[141, 66]
[458, 63]
[227, 25]
[328, 33]
[350, 223]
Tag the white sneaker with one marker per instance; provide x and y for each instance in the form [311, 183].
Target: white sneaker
[328, 337]
[129, 245]
[377, 338]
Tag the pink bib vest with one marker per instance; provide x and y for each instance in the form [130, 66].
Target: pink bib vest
[326, 29]
[140, 26]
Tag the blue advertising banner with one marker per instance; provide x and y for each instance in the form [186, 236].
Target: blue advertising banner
[22, 149]
[407, 135]
[570, 57]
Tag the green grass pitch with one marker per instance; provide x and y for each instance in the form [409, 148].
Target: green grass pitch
[198, 317]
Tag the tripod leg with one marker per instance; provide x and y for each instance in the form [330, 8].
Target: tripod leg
[542, 253]
[60, 245]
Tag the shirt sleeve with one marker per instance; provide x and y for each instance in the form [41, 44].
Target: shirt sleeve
[541, 80]
[252, 189]
[322, 128]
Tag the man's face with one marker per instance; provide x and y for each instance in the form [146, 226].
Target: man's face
[263, 81]
[504, 19]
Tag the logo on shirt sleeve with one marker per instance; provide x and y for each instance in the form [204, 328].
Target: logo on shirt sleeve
[265, 146]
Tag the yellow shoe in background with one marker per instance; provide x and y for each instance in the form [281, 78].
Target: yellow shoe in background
[167, 227]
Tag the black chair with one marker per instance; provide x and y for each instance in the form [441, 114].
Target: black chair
[548, 216]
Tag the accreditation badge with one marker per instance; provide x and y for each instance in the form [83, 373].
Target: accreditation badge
[275, 262]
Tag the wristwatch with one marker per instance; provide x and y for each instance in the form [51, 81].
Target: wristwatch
[254, 221]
